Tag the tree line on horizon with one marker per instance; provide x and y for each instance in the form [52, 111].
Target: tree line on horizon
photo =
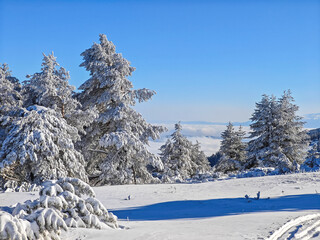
[48, 131]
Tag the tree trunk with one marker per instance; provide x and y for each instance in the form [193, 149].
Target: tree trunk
[62, 110]
[134, 175]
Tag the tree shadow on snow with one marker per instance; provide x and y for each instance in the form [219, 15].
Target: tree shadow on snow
[218, 207]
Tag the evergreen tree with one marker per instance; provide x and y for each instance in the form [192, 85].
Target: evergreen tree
[312, 162]
[232, 145]
[181, 158]
[289, 133]
[279, 140]
[114, 146]
[232, 149]
[241, 146]
[202, 162]
[40, 140]
[40, 146]
[10, 100]
[263, 124]
[10, 97]
[50, 88]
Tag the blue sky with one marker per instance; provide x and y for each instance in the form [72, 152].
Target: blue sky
[207, 60]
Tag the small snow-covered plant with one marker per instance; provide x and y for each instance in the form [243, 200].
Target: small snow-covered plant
[41, 224]
[14, 186]
[66, 197]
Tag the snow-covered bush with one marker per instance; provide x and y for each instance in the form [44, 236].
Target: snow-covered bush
[41, 224]
[14, 186]
[181, 158]
[115, 144]
[61, 205]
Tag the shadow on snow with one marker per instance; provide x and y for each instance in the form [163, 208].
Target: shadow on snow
[218, 207]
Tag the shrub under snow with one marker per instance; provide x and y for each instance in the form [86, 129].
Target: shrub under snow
[61, 205]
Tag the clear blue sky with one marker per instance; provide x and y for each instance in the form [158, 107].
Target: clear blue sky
[207, 60]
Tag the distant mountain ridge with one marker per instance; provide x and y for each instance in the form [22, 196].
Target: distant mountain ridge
[311, 120]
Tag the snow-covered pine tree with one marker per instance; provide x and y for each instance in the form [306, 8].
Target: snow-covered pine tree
[242, 146]
[10, 103]
[10, 99]
[200, 159]
[40, 140]
[181, 158]
[262, 131]
[40, 146]
[232, 149]
[289, 137]
[114, 146]
[50, 88]
[279, 140]
[312, 162]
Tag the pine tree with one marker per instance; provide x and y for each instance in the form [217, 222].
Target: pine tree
[114, 146]
[232, 149]
[40, 140]
[202, 162]
[181, 158]
[263, 124]
[10, 97]
[312, 162]
[290, 138]
[227, 144]
[10, 100]
[279, 140]
[40, 146]
[241, 146]
[50, 88]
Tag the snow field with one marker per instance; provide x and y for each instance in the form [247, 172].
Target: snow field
[212, 210]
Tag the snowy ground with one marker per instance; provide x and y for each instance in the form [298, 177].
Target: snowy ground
[212, 210]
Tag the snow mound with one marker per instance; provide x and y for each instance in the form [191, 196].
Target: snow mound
[41, 224]
[61, 205]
